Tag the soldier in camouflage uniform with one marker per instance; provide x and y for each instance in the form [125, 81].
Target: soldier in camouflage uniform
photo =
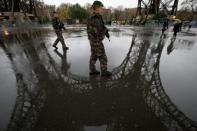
[96, 33]
[58, 26]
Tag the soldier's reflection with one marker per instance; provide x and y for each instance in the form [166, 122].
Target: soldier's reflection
[170, 48]
[65, 65]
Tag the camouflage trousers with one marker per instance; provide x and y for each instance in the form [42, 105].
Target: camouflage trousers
[98, 52]
[59, 38]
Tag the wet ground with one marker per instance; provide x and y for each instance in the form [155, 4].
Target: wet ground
[153, 87]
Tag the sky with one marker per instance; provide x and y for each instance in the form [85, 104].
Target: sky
[107, 3]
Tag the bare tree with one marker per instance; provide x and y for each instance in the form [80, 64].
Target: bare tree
[190, 5]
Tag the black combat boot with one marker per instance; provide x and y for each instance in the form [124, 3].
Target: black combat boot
[94, 72]
[106, 74]
[65, 47]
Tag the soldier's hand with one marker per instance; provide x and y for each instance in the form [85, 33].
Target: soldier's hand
[107, 34]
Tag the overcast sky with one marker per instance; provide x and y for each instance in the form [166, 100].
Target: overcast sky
[107, 3]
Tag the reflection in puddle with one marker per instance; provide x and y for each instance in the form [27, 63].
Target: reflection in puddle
[55, 92]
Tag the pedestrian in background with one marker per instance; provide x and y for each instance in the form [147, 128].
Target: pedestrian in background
[176, 29]
[165, 24]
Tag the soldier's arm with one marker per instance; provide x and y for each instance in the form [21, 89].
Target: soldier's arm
[99, 24]
[102, 29]
[92, 30]
[55, 23]
[63, 27]
[105, 30]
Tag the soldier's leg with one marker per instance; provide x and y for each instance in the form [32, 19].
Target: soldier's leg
[103, 62]
[61, 39]
[93, 59]
[102, 59]
[56, 41]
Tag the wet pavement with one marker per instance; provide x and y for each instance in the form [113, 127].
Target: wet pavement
[153, 87]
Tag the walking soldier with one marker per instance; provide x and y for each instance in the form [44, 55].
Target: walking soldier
[58, 26]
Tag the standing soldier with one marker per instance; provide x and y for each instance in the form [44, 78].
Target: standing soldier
[96, 33]
[58, 26]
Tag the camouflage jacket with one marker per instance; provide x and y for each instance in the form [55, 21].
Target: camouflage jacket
[57, 24]
[96, 28]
